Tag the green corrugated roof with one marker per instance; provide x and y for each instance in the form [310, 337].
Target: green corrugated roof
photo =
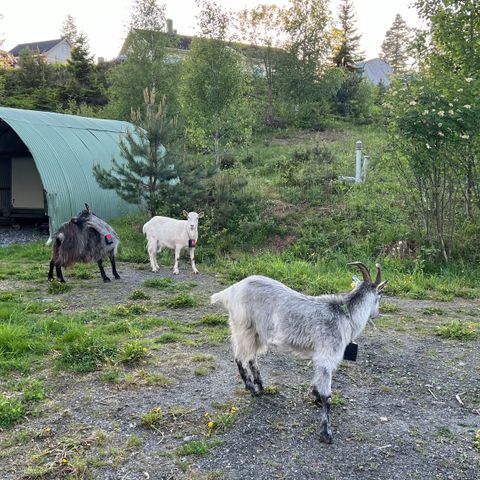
[64, 149]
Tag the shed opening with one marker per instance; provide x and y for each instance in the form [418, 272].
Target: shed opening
[22, 195]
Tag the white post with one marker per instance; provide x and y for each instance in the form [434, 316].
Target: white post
[358, 166]
[365, 166]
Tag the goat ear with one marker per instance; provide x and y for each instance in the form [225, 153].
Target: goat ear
[185, 213]
[201, 214]
[381, 286]
[87, 208]
[356, 281]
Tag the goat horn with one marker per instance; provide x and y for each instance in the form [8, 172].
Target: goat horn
[364, 270]
[378, 278]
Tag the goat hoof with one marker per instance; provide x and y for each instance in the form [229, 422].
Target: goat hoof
[117, 277]
[326, 437]
[106, 280]
[176, 272]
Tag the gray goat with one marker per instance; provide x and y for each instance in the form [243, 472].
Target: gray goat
[84, 238]
[264, 312]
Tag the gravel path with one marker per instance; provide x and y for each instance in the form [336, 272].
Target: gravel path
[408, 408]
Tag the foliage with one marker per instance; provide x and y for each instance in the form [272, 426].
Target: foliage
[394, 48]
[148, 174]
[69, 29]
[434, 123]
[457, 330]
[213, 97]
[261, 27]
[82, 84]
[11, 411]
[133, 352]
[146, 64]
[347, 50]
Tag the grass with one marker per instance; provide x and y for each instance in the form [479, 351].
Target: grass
[12, 410]
[153, 419]
[196, 447]
[457, 330]
[139, 295]
[133, 352]
[183, 300]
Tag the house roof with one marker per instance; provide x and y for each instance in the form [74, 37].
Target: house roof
[376, 70]
[42, 47]
[64, 149]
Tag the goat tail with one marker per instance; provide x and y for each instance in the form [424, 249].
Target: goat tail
[144, 229]
[59, 238]
[221, 297]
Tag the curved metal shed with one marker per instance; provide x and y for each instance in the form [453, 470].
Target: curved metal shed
[64, 149]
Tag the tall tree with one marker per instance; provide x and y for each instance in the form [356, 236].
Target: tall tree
[394, 48]
[347, 49]
[82, 85]
[69, 29]
[148, 172]
[145, 65]
[261, 27]
[214, 84]
[306, 25]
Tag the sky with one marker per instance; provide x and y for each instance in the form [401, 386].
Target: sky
[105, 21]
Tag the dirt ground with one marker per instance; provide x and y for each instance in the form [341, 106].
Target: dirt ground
[409, 407]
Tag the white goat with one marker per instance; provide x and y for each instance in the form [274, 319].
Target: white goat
[164, 232]
[265, 312]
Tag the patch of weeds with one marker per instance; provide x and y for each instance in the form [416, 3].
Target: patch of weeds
[201, 371]
[111, 375]
[133, 352]
[196, 447]
[139, 295]
[34, 391]
[128, 309]
[444, 434]
[457, 330]
[213, 320]
[55, 287]
[85, 352]
[155, 379]
[337, 400]
[134, 442]
[433, 311]
[9, 296]
[168, 337]
[182, 300]
[222, 421]
[389, 308]
[12, 411]
[271, 390]
[152, 419]
[160, 283]
[83, 271]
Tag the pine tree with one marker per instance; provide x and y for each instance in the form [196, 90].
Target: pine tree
[347, 53]
[395, 46]
[153, 174]
[82, 85]
[69, 30]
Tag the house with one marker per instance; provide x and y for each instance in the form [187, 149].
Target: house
[178, 47]
[54, 51]
[377, 71]
[46, 166]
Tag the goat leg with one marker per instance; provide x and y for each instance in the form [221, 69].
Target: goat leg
[58, 270]
[246, 378]
[257, 379]
[326, 433]
[50, 271]
[102, 271]
[114, 268]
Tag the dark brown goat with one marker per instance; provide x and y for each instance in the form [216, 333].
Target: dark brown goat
[85, 238]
